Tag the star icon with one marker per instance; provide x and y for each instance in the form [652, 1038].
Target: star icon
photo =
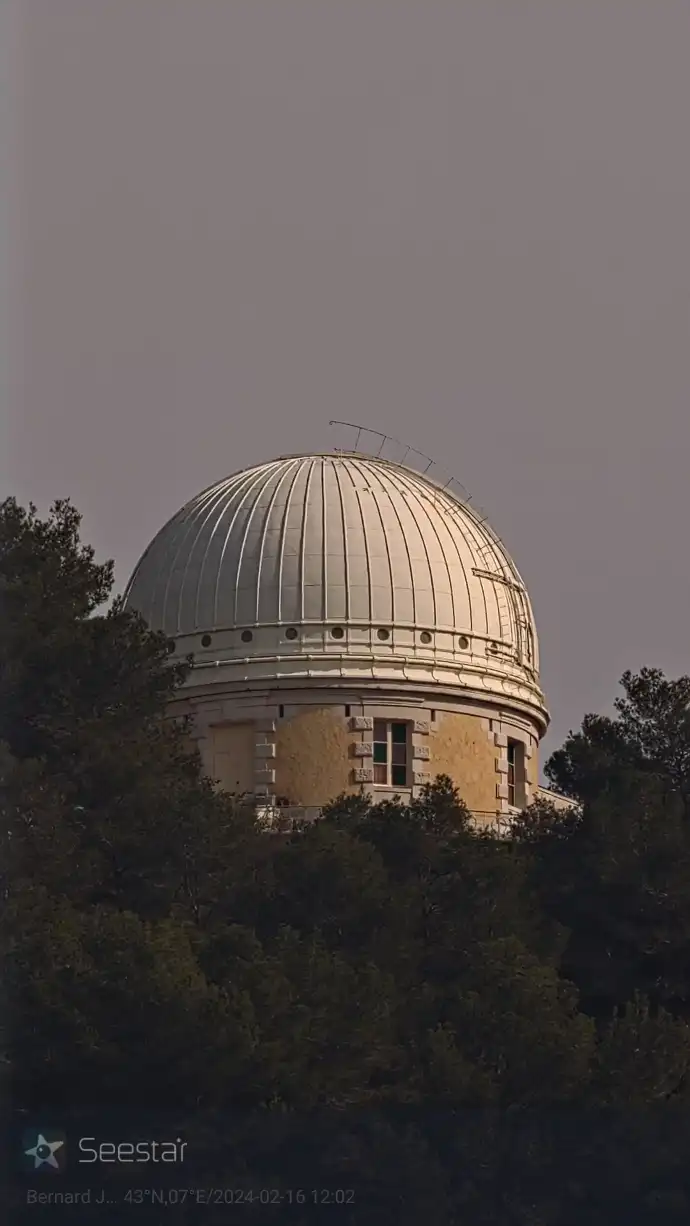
[43, 1152]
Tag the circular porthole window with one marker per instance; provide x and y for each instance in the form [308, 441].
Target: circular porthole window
[291, 633]
[425, 636]
[171, 647]
[463, 642]
[383, 633]
[206, 640]
[246, 636]
[337, 632]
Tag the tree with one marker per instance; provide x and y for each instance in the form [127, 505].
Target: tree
[650, 737]
[616, 871]
[112, 838]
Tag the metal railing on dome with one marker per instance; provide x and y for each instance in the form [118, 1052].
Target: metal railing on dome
[411, 457]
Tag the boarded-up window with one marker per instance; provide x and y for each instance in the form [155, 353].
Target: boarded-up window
[232, 756]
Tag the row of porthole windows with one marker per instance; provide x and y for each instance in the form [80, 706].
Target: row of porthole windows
[337, 632]
[246, 637]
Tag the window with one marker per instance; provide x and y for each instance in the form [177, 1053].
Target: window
[281, 711]
[390, 753]
[246, 636]
[291, 632]
[432, 714]
[337, 632]
[347, 712]
[516, 774]
[206, 640]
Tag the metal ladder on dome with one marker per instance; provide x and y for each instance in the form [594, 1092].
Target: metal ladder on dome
[501, 583]
[511, 598]
[510, 594]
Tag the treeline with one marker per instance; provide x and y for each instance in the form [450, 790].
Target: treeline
[454, 1026]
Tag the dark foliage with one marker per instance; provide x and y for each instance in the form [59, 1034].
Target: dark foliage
[460, 1027]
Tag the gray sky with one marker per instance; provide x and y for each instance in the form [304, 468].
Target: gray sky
[465, 224]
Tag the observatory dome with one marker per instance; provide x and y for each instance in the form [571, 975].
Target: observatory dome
[340, 567]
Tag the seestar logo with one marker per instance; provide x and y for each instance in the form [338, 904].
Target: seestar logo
[44, 1150]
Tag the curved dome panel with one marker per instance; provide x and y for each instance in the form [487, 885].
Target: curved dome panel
[312, 555]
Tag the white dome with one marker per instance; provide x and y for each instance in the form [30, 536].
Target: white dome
[340, 566]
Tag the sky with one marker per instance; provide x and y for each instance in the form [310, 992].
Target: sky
[463, 224]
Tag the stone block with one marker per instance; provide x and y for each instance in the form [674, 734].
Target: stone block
[265, 725]
[265, 774]
[265, 738]
[420, 777]
[421, 725]
[421, 751]
[501, 740]
[502, 791]
[502, 766]
[265, 751]
[362, 749]
[361, 723]
[364, 774]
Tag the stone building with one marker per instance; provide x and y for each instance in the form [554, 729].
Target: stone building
[355, 627]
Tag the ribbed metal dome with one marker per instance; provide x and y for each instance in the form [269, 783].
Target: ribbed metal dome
[345, 553]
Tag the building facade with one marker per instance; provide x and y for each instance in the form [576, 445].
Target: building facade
[355, 627]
